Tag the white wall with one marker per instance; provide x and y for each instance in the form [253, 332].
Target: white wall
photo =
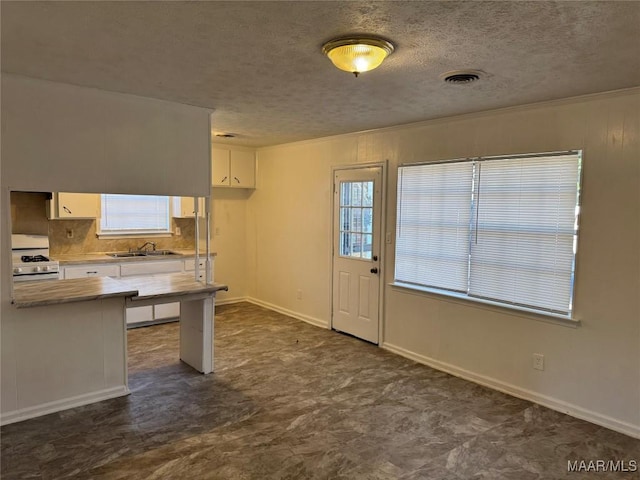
[58, 137]
[228, 240]
[61, 356]
[592, 371]
[289, 226]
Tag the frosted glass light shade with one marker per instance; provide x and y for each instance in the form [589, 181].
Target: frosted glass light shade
[357, 55]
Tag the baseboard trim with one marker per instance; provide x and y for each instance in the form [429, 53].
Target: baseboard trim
[229, 301]
[290, 313]
[545, 401]
[64, 404]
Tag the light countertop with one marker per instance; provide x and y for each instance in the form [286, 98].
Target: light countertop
[169, 284]
[144, 287]
[102, 257]
[50, 292]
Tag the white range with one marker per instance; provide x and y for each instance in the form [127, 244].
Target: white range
[30, 258]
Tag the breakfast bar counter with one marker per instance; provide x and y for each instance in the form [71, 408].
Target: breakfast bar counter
[51, 292]
[142, 288]
[167, 286]
[69, 337]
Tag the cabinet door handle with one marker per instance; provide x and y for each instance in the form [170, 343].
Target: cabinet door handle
[236, 179]
[223, 180]
[92, 273]
[64, 207]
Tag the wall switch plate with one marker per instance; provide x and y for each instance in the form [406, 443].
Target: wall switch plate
[299, 294]
[538, 361]
[178, 231]
[69, 233]
[388, 238]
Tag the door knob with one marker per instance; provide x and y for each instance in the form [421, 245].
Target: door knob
[375, 258]
[374, 270]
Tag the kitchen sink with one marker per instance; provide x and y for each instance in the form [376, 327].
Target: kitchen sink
[127, 254]
[142, 253]
[153, 253]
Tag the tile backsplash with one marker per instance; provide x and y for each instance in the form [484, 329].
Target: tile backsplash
[84, 239]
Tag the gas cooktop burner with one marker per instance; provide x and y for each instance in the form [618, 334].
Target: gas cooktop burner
[34, 258]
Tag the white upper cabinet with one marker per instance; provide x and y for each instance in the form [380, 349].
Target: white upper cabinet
[233, 168]
[74, 205]
[183, 207]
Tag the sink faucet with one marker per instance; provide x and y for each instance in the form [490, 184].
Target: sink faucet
[153, 244]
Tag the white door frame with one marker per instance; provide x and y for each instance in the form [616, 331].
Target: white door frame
[381, 239]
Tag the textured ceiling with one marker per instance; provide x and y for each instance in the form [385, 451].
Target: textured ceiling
[260, 66]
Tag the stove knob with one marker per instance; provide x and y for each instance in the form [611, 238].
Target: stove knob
[37, 269]
[17, 270]
[46, 268]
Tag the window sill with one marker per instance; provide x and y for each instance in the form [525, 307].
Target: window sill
[122, 235]
[488, 305]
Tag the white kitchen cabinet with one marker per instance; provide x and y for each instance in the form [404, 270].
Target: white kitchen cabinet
[190, 266]
[91, 270]
[152, 313]
[74, 205]
[149, 313]
[233, 168]
[166, 310]
[183, 207]
[151, 267]
[141, 314]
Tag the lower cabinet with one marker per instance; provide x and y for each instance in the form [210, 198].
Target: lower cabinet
[190, 266]
[152, 313]
[88, 270]
[139, 316]
[166, 310]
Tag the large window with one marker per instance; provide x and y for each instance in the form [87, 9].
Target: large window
[134, 214]
[500, 229]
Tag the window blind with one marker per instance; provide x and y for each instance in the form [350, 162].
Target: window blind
[134, 213]
[432, 236]
[522, 248]
[498, 229]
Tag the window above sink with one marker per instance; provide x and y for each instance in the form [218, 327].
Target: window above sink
[134, 215]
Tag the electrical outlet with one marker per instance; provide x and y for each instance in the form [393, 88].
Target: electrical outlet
[178, 231]
[299, 294]
[538, 361]
[69, 233]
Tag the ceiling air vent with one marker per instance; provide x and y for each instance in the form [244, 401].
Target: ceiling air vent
[462, 77]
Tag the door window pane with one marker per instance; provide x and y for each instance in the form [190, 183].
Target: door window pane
[367, 220]
[367, 244]
[356, 222]
[367, 194]
[356, 194]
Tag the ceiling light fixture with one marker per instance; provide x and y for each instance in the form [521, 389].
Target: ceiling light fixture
[357, 54]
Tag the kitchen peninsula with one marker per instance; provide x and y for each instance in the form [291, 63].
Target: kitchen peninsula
[71, 344]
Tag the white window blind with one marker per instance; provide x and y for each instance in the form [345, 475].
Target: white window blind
[521, 229]
[432, 237]
[134, 214]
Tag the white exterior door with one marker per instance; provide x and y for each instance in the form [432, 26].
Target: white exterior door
[357, 219]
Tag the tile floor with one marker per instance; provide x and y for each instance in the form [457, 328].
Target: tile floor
[292, 401]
